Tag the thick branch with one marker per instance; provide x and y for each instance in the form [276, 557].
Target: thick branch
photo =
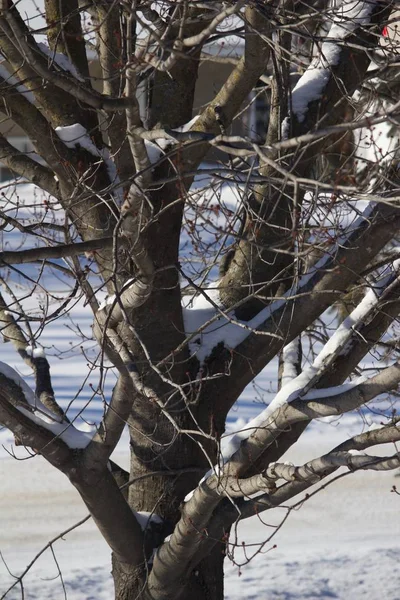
[65, 33]
[302, 305]
[59, 79]
[228, 513]
[19, 257]
[95, 483]
[188, 535]
[272, 220]
[27, 116]
[310, 473]
[60, 108]
[320, 468]
[239, 84]
[112, 54]
[300, 410]
[26, 167]
[113, 423]
[112, 514]
[27, 429]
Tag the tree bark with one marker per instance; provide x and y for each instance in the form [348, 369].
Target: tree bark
[206, 582]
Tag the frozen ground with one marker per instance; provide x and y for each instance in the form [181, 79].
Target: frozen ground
[343, 543]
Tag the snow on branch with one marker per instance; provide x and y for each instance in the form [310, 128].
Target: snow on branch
[14, 82]
[159, 141]
[20, 396]
[296, 480]
[147, 519]
[242, 450]
[346, 19]
[207, 324]
[202, 502]
[133, 294]
[61, 61]
[77, 135]
[34, 357]
[301, 386]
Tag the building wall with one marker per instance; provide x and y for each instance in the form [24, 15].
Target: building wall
[211, 77]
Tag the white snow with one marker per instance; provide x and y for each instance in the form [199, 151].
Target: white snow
[77, 135]
[11, 80]
[60, 60]
[157, 148]
[70, 435]
[146, 518]
[43, 417]
[227, 330]
[12, 374]
[37, 352]
[108, 301]
[188, 126]
[375, 145]
[197, 311]
[300, 386]
[333, 391]
[285, 128]
[310, 86]
[374, 427]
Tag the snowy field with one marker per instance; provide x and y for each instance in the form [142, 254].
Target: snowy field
[342, 543]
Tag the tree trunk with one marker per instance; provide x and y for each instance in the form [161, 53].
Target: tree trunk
[206, 582]
[128, 583]
[165, 466]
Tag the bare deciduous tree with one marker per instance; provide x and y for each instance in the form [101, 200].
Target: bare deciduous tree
[202, 293]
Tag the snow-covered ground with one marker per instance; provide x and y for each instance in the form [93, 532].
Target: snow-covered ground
[342, 543]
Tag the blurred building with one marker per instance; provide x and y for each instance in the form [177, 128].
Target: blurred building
[217, 63]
